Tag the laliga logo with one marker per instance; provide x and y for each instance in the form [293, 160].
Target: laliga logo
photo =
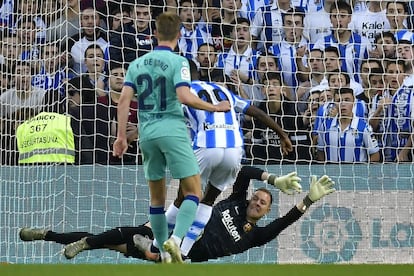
[330, 234]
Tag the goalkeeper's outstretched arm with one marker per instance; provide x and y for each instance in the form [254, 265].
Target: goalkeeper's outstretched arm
[318, 189]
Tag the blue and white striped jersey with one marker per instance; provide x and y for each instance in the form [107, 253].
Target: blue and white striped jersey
[360, 110]
[215, 129]
[404, 35]
[401, 116]
[249, 8]
[380, 132]
[191, 40]
[286, 55]
[50, 81]
[245, 62]
[267, 25]
[6, 15]
[308, 5]
[353, 144]
[351, 53]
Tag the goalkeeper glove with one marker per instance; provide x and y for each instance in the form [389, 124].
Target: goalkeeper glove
[286, 183]
[318, 189]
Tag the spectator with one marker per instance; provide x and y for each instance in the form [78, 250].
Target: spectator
[285, 51]
[8, 49]
[266, 144]
[249, 7]
[379, 112]
[220, 20]
[267, 25]
[397, 14]
[207, 58]
[352, 47]
[371, 22]
[67, 23]
[7, 11]
[144, 26]
[317, 22]
[385, 48]
[31, 8]
[316, 75]
[376, 81]
[239, 62]
[28, 48]
[193, 34]
[318, 96]
[136, 38]
[50, 11]
[106, 117]
[118, 17]
[346, 137]
[52, 73]
[333, 64]
[97, 122]
[337, 80]
[328, 108]
[315, 69]
[400, 138]
[23, 95]
[405, 52]
[91, 84]
[367, 66]
[92, 33]
[310, 113]
[266, 62]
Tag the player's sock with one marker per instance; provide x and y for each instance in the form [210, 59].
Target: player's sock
[202, 217]
[113, 236]
[154, 246]
[66, 238]
[159, 225]
[171, 215]
[185, 216]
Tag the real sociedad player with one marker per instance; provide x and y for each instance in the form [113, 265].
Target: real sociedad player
[218, 146]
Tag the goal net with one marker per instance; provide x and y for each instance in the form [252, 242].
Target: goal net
[294, 60]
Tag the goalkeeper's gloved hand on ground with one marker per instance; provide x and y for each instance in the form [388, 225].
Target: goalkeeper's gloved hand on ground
[318, 189]
[286, 183]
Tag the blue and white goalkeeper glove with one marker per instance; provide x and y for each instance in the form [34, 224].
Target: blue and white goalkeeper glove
[289, 184]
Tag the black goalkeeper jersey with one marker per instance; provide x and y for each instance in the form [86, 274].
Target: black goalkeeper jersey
[228, 232]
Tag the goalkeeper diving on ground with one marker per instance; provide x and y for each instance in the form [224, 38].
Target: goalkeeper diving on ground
[231, 229]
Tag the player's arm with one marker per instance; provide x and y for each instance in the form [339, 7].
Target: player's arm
[286, 144]
[121, 143]
[186, 97]
[288, 184]
[244, 176]
[318, 189]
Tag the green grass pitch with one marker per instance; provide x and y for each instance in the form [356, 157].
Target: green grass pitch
[205, 269]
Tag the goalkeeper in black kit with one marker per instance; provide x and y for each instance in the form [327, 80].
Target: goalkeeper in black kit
[231, 229]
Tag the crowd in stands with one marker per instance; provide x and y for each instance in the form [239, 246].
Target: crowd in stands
[337, 75]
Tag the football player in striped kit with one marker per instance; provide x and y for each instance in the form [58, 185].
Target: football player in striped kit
[218, 146]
